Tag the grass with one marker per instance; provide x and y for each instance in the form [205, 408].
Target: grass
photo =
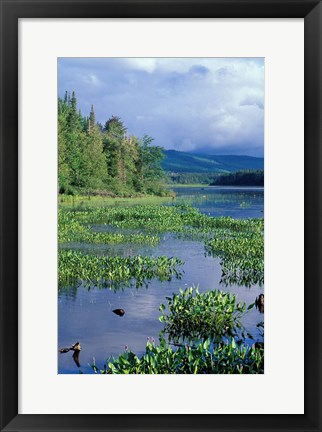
[188, 185]
[85, 201]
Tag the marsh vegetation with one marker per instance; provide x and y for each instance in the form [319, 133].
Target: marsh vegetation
[225, 358]
[201, 275]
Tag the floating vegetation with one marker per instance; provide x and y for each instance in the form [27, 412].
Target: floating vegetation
[194, 316]
[242, 257]
[71, 230]
[239, 243]
[158, 219]
[148, 217]
[102, 271]
[200, 359]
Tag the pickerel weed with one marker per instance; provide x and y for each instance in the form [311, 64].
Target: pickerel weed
[227, 358]
[192, 315]
[104, 271]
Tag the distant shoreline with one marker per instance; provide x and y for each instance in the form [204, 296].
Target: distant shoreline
[203, 186]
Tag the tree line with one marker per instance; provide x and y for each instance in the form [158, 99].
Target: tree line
[93, 157]
[240, 178]
[190, 178]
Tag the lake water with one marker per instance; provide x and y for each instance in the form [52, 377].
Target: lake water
[86, 315]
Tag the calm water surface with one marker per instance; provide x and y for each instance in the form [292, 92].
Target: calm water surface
[86, 315]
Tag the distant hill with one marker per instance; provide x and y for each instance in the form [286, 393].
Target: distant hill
[183, 162]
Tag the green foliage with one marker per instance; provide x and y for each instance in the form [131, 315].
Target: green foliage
[151, 218]
[200, 359]
[103, 271]
[80, 152]
[71, 230]
[242, 257]
[193, 315]
[95, 199]
[158, 218]
[239, 243]
[190, 178]
[104, 158]
[240, 178]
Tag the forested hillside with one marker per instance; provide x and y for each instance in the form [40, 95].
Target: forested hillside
[104, 158]
[184, 162]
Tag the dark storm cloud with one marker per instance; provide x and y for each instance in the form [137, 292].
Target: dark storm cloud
[186, 104]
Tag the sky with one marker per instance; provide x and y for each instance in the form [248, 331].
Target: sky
[206, 105]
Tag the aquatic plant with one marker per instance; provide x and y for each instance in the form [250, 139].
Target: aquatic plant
[242, 257]
[239, 243]
[71, 230]
[159, 219]
[226, 358]
[193, 315]
[103, 271]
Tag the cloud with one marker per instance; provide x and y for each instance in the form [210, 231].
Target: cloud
[213, 104]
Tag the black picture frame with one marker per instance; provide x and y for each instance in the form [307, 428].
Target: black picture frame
[11, 11]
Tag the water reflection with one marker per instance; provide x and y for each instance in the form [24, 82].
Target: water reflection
[242, 278]
[237, 202]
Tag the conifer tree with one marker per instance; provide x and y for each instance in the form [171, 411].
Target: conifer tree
[73, 115]
[92, 120]
[95, 157]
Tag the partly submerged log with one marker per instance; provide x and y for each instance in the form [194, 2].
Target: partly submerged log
[76, 348]
[119, 312]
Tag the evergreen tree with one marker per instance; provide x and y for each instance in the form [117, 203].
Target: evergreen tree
[73, 118]
[92, 120]
[115, 127]
[95, 157]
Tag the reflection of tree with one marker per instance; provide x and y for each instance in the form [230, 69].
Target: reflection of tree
[219, 197]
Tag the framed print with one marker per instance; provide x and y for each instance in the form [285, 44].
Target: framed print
[119, 107]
